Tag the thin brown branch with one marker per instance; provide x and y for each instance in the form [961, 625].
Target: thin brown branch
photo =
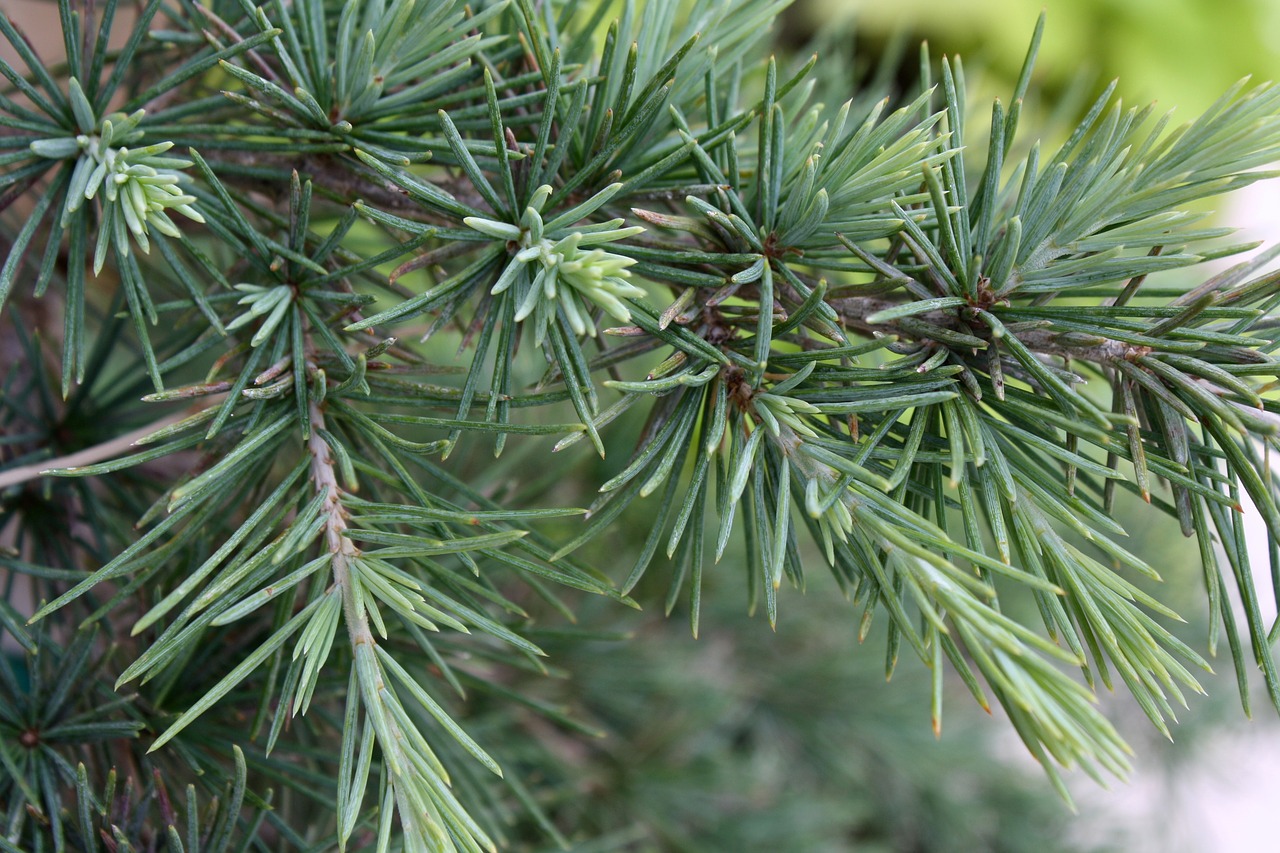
[853, 311]
[373, 688]
[338, 178]
[90, 455]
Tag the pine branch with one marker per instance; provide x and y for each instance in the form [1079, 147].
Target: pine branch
[848, 328]
[91, 455]
[337, 177]
[342, 553]
[858, 312]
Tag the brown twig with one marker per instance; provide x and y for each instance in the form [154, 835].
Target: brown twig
[854, 311]
[90, 455]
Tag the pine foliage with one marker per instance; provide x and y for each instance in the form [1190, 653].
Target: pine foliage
[900, 339]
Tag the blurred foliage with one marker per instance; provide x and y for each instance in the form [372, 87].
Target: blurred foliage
[747, 740]
[1180, 52]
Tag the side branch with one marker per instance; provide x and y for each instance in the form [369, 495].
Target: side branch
[90, 455]
[341, 549]
[342, 556]
[853, 311]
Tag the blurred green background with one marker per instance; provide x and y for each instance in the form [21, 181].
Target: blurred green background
[1181, 53]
